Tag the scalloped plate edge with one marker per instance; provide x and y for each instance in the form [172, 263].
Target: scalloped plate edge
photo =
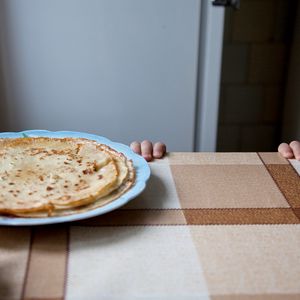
[140, 164]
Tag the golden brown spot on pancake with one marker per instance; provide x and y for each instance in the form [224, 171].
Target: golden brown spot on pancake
[96, 166]
[49, 188]
[78, 148]
[88, 171]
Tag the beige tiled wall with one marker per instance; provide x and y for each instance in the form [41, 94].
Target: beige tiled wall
[291, 119]
[255, 57]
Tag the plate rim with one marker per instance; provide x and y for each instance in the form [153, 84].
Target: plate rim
[142, 176]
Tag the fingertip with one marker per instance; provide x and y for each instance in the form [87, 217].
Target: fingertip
[159, 150]
[285, 150]
[295, 147]
[294, 144]
[283, 146]
[162, 146]
[146, 150]
[132, 144]
[146, 142]
[136, 147]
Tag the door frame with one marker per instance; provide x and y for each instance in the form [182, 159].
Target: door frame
[209, 76]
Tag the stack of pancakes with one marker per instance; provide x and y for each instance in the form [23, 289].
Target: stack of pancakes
[42, 177]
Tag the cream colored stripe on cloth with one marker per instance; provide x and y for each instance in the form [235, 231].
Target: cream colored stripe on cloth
[47, 264]
[14, 250]
[133, 263]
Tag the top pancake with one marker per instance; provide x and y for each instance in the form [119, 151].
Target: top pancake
[126, 179]
[43, 174]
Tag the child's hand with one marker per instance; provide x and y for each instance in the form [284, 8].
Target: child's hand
[148, 150]
[291, 150]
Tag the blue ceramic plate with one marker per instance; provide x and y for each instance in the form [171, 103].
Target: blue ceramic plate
[141, 167]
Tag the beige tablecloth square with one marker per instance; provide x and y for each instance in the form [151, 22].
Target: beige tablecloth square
[160, 191]
[134, 263]
[250, 259]
[226, 186]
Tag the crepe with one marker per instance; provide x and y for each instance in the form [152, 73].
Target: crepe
[41, 177]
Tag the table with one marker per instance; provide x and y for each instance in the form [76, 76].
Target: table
[208, 226]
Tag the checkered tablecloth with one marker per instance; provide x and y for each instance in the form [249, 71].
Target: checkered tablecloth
[208, 226]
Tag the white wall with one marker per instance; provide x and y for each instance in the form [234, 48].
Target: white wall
[3, 108]
[125, 69]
